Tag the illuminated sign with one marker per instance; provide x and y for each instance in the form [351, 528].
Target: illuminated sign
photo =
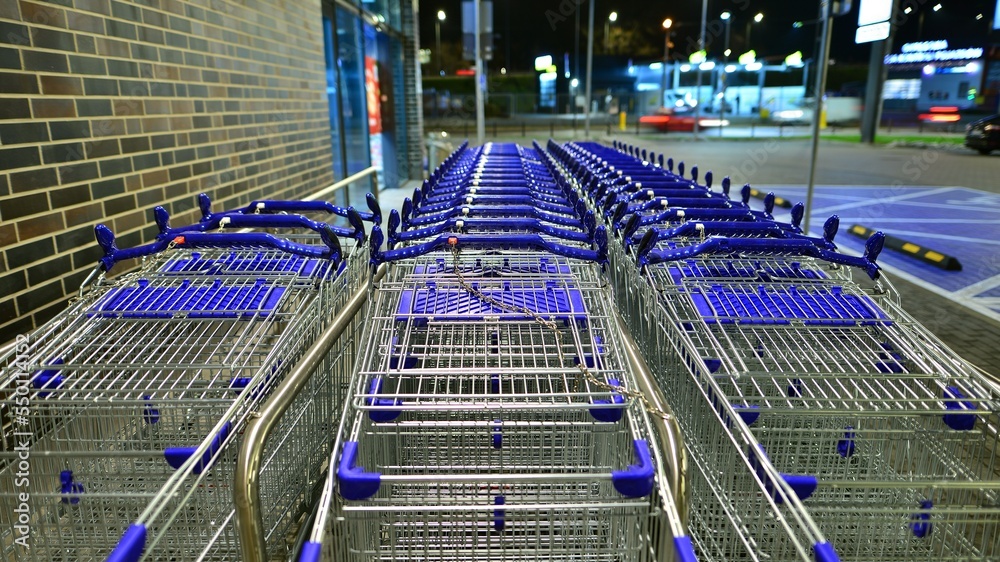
[873, 21]
[543, 63]
[874, 11]
[698, 57]
[932, 51]
[794, 59]
[748, 58]
[925, 46]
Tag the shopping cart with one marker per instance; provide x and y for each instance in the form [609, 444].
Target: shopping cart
[487, 407]
[862, 412]
[154, 372]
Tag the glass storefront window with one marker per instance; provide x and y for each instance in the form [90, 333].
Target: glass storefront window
[332, 96]
[353, 106]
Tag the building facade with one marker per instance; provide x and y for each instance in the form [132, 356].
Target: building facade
[110, 107]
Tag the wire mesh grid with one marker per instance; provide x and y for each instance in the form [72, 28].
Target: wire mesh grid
[120, 400]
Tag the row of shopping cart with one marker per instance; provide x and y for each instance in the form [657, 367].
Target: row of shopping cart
[124, 412]
[823, 422]
[491, 414]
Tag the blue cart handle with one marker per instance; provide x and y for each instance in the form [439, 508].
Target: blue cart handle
[113, 255]
[489, 211]
[488, 242]
[647, 255]
[729, 228]
[220, 221]
[496, 224]
[265, 206]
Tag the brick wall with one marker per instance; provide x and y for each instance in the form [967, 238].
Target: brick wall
[108, 108]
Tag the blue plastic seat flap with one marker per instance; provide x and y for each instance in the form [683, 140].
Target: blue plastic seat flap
[217, 300]
[826, 306]
[553, 302]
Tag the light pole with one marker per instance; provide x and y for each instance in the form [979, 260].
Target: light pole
[756, 19]
[920, 21]
[437, 35]
[667, 24]
[612, 18]
[728, 18]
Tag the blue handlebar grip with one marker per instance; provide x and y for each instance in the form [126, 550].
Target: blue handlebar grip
[205, 204]
[359, 227]
[162, 218]
[798, 212]
[375, 247]
[374, 207]
[392, 227]
[830, 228]
[646, 246]
[405, 211]
[630, 228]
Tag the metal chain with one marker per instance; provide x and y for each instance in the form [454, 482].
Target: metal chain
[551, 325]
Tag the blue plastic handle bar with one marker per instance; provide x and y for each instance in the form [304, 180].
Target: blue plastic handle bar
[131, 546]
[530, 211]
[265, 206]
[723, 228]
[354, 482]
[684, 203]
[636, 481]
[496, 224]
[490, 242]
[647, 255]
[700, 214]
[113, 255]
[493, 198]
[238, 220]
[177, 456]
[565, 207]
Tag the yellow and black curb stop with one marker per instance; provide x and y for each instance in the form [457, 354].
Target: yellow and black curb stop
[937, 259]
[778, 201]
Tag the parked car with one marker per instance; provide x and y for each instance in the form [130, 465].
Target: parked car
[984, 135]
[668, 119]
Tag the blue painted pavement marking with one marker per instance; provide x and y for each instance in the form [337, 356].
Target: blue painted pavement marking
[957, 221]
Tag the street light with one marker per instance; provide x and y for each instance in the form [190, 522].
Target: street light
[756, 19]
[437, 34]
[667, 24]
[612, 18]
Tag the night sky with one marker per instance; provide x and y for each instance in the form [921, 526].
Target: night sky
[528, 28]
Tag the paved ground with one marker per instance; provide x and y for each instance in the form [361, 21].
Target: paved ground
[772, 164]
